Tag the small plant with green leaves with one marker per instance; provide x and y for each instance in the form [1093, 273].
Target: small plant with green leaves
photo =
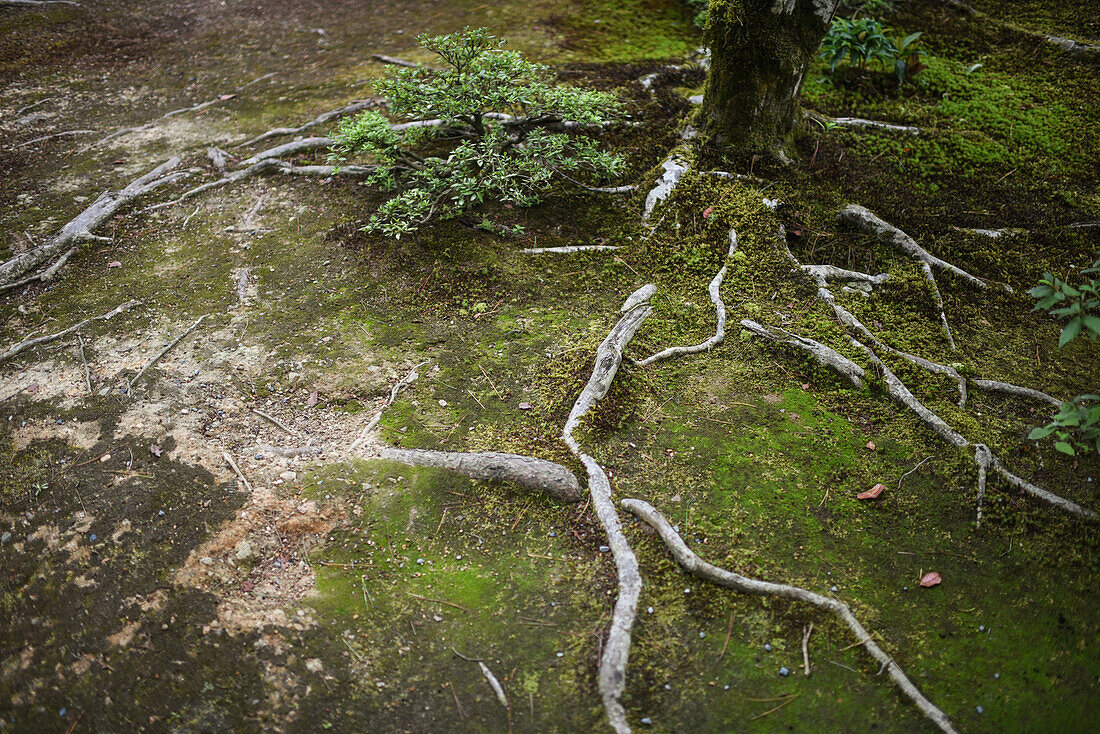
[1080, 303]
[858, 41]
[908, 57]
[486, 126]
[1076, 427]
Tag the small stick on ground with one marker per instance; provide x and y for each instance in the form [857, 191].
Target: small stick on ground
[696, 566]
[30, 343]
[237, 470]
[438, 601]
[321, 119]
[397, 388]
[87, 375]
[806, 632]
[568, 249]
[274, 420]
[918, 466]
[729, 634]
[130, 384]
[457, 704]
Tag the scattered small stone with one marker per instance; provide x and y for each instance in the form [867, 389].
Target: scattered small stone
[92, 537]
[981, 628]
[832, 588]
[525, 406]
[981, 710]
[648, 609]
[244, 550]
[668, 687]
[560, 654]
[702, 635]
[647, 721]
[206, 561]
[7, 536]
[604, 549]
[784, 671]
[767, 647]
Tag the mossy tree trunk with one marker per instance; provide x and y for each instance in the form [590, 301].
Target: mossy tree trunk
[759, 53]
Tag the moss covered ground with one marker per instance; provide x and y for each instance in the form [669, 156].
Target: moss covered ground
[755, 453]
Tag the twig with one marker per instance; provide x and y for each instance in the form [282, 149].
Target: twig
[729, 634]
[130, 383]
[398, 386]
[55, 135]
[87, 375]
[274, 420]
[490, 379]
[437, 601]
[29, 343]
[806, 648]
[772, 710]
[903, 476]
[457, 704]
[467, 659]
[497, 688]
[188, 219]
[237, 469]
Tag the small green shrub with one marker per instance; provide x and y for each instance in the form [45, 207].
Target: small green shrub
[857, 40]
[860, 41]
[1080, 303]
[481, 128]
[1076, 427]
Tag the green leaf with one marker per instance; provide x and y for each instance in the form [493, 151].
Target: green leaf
[1041, 432]
[1073, 328]
[1064, 447]
[1093, 323]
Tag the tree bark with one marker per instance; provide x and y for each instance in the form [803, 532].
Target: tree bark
[759, 53]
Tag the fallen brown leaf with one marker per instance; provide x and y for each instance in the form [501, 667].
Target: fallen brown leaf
[871, 493]
[930, 579]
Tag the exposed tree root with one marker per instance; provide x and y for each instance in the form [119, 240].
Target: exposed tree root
[394, 61]
[1025, 392]
[46, 275]
[34, 3]
[616, 650]
[699, 568]
[348, 109]
[896, 388]
[265, 166]
[66, 133]
[674, 168]
[568, 249]
[31, 343]
[79, 229]
[1073, 49]
[534, 474]
[714, 290]
[900, 393]
[826, 356]
[306, 145]
[193, 108]
[218, 158]
[864, 220]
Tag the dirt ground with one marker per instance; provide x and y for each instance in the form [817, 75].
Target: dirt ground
[212, 548]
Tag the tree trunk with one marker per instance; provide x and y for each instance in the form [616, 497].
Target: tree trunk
[759, 53]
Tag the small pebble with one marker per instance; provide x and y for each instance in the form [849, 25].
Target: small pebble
[981, 628]
[92, 537]
[259, 456]
[62, 712]
[981, 710]
[553, 534]
[668, 687]
[647, 721]
[702, 635]
[420, 561]
[59, 421]
[161, 512]
[784, 671]
[648, 609]
[767, 647]
[832, 588]
[604, 549]
[561, 654]
[996, 676]
[726, 687]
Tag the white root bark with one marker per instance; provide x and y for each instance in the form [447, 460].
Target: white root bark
[291, 148]
[876, 125]
[673, 169]
[825, 355]
[900, 393]
[31, 343]
[864, 220]
[714, 290]
[699, 568]
[34, 3]
[568, 249]
[193, 108]
[616, 650]
[265, 166]
[79, 229]
[1024, 392]
[352, 108]
[218, 158]
[537, 475]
